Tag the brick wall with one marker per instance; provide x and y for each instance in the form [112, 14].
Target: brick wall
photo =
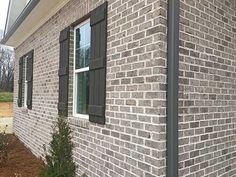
[207, 88]
[132, 143]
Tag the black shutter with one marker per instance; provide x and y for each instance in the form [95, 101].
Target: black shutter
[97, 72]
[20, 81]
[64, 72]
[29, 78]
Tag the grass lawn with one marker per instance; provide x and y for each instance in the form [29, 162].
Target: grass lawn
[6, 97]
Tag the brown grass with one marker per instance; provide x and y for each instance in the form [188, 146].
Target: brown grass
[6, 109]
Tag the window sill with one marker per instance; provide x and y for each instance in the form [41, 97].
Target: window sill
[79, 122]
[24, 110]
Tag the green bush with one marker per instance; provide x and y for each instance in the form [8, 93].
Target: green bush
[3, 148]
[59, 161]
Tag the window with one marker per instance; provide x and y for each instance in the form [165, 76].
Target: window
[25, 82]
[89, 68]
[82, 36]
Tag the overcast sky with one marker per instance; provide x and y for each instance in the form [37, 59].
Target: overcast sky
[3, 12]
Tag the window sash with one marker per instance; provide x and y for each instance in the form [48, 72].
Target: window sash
[76, 96]
[25, 93]
[76, 71]
[26, 84]
[81, 70]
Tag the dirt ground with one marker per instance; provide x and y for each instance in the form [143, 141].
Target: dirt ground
[6, 109]
[21, 161]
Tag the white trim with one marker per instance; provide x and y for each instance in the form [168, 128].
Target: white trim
[40, 23]
[81, 70]
[81, 24]
[7, 21]
[52, 12]
[82, 116]
[75, 71]
[27, 1]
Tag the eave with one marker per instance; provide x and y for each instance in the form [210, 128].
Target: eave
[34, 15]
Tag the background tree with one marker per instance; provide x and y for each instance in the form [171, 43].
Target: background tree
[6, 68]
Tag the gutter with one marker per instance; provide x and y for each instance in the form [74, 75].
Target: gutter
[172, 88]
[8, 10]
[24, 14]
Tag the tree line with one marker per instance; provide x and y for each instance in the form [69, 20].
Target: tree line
[6, 68]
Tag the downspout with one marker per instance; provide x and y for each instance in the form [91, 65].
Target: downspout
[172, 87]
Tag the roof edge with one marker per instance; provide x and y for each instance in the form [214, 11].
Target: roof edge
[9, 4]
[26, 11]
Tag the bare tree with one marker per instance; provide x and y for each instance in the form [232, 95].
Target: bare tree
[6, 68]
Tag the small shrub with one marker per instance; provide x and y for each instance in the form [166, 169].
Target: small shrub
[3, 148]
[59, 161]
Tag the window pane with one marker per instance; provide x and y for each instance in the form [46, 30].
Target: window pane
[82, 92]
[77, 39]
[82, 57]
[26, 84]
[82, 53]
[25, 93]
[85, 35]
[25, 69]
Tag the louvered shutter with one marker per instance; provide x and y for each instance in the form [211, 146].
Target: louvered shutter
[97, 67]
[20, 82]
[64, 72]
[29, 78]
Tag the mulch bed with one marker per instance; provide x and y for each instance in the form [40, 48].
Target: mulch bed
[21, 161]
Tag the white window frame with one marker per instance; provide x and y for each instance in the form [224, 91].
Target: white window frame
[76, 71]
[25, 83]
